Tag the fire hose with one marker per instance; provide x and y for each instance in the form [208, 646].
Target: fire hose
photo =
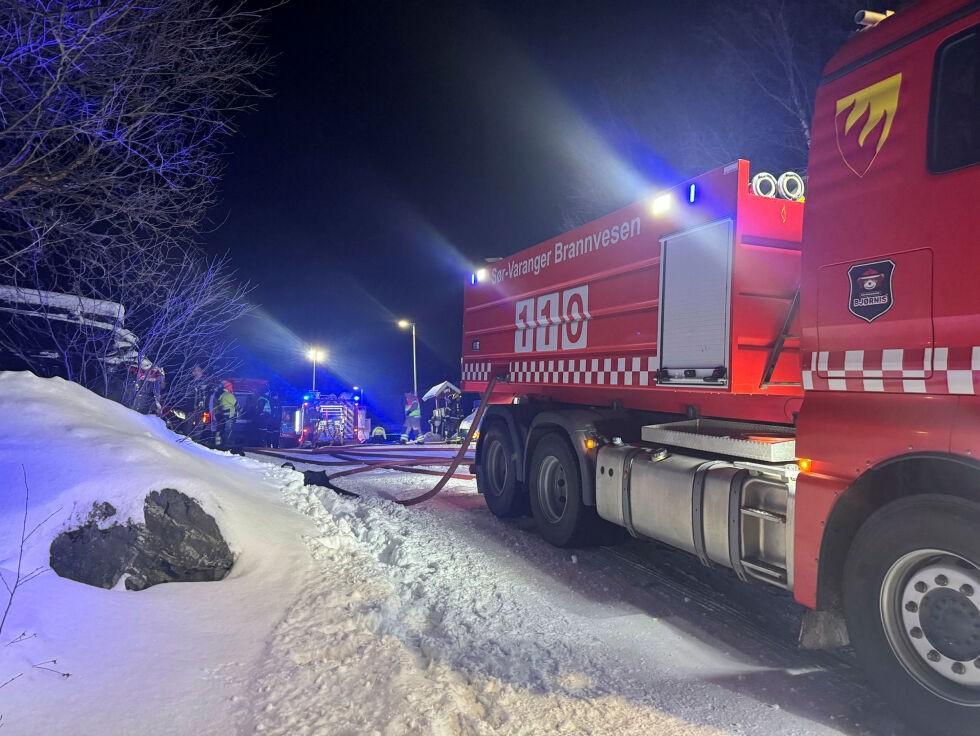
[410, 465]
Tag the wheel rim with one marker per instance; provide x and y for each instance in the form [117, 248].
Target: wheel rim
[930, 611]
[496, 464]
[552, 489]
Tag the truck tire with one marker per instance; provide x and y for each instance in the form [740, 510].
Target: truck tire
[555, 491]
[912, 604]
[497, 476]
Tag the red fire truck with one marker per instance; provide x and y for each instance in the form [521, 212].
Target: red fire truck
[790, 396]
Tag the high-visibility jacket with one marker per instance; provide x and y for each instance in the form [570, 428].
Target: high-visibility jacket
[412, 408]
[226, 407]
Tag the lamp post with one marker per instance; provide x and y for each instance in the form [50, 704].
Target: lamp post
[405, 324]
[316, 355]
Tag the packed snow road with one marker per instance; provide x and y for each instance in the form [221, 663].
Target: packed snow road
[444, 619]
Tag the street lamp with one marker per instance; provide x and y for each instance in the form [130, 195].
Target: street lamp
[405, 324]
[317, 356]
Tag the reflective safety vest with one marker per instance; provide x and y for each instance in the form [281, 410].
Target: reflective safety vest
[379, 432]
[226, 407]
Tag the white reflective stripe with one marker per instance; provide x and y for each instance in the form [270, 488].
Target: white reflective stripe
[915, 377]
[854, 360]
[891, 360]
[960, 382]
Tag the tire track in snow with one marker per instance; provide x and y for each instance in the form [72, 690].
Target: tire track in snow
[374, 647]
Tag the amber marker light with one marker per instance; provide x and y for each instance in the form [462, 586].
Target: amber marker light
[805, 464]
[589, 444]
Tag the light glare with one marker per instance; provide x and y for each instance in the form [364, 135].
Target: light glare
[661, 204]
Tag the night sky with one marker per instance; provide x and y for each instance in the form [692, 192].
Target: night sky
[405, 142]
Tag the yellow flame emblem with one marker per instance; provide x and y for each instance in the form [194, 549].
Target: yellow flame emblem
[874, 107]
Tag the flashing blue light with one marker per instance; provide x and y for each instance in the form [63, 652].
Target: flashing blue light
[306, 398]
[692, 193]
[357, 399]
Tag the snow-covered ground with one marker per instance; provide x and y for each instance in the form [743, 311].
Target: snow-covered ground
[358, 616]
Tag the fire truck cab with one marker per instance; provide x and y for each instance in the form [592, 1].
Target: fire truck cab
[788, 394]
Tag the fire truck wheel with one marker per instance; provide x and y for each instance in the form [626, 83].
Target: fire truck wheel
[912, 604]
[555, 493]
[496, 475]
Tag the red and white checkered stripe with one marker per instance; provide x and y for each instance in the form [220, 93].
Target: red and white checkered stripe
[925, 370]
[628, 371]
[476, 372]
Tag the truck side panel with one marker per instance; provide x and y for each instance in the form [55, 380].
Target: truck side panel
[578, 319]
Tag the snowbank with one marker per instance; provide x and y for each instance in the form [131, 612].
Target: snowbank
[174, 658]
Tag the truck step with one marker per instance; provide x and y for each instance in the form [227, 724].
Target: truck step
[767, 443]
[764, 569]
[763, 514]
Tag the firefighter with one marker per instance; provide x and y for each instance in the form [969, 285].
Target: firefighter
[224, 412]
[263, 418]
[453, 415]
[413, 417]
[378, 435]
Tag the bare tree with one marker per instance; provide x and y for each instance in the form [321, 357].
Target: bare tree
[781, 47]
[129, 323]
[112, 116]
[741, 85]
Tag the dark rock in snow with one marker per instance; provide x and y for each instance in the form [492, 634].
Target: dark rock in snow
[95, 556]
[178, 543]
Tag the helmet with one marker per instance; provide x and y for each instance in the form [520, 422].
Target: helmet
[226, 385]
